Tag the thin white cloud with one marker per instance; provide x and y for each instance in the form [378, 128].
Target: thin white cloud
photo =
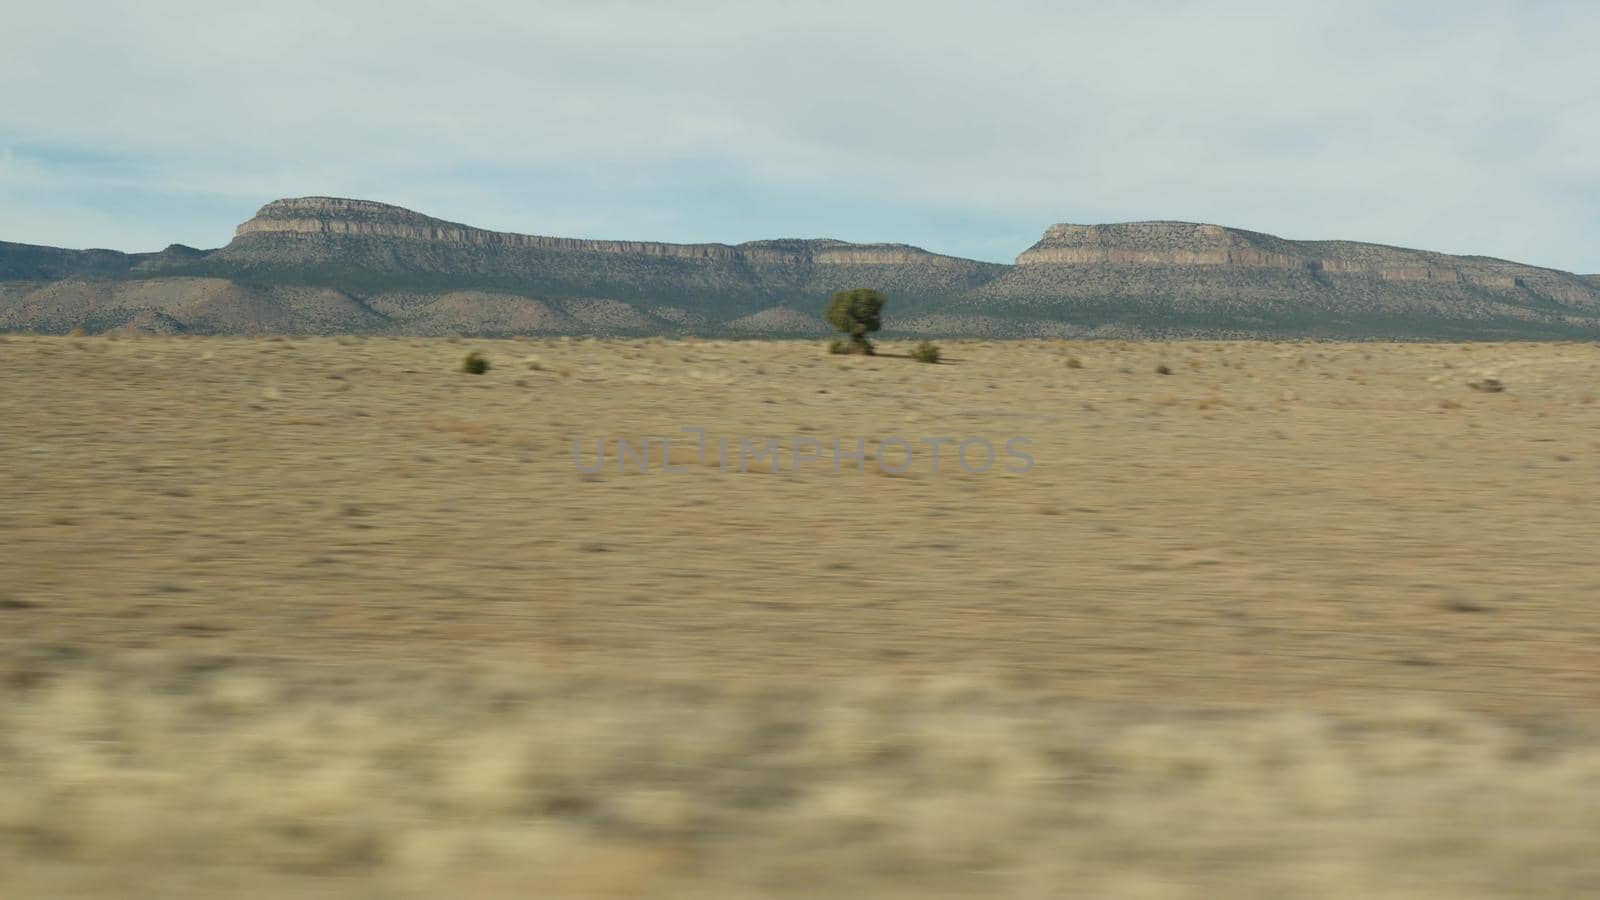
[1465, 129]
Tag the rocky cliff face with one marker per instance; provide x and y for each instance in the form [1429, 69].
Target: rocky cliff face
[374, 250]
[364, 218]
[1197, 248]
[323, 264]
[1160, 243]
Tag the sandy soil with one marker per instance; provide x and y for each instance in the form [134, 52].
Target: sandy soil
[1310, 534]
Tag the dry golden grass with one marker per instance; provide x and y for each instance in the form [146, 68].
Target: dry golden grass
[149, 778]
[1184, 632]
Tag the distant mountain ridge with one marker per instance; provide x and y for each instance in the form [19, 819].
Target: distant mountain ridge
[336, 265]
[1193, 244]
[336, 216]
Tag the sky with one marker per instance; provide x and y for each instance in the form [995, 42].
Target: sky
[965, 128]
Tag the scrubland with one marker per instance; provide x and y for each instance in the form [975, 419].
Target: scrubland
[330, 617]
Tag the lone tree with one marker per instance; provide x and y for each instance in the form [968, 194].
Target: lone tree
[857, 313]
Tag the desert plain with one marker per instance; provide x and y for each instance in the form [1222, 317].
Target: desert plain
[332, 617]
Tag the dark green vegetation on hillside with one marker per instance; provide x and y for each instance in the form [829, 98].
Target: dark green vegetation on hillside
[323, 265]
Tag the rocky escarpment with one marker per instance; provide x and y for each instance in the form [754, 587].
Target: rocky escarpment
[1161, 243]
[1199, 245]
[324, 265]
[1185, 275]
[373, 250]
[364, 218]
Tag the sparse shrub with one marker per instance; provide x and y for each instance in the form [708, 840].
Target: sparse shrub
[1487, 385]
[857, 313]
[926, 351]
[1163, 369]
[475, 363]
[1074, 363]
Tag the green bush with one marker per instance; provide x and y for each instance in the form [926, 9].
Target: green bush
[475, 363]
[925, 352]
[857, 313]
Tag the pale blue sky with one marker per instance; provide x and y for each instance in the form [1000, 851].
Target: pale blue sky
[966, 128]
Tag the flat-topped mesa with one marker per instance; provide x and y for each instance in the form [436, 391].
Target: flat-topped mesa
[1161, 243]
[1196, 244]
[324, 265]
[339, 216]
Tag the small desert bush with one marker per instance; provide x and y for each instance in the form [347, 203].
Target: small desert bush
[1163, 369]
[475, 363]
[1074, 363]
[925, 352]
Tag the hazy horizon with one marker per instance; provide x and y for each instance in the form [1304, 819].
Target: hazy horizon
[963, 132]
[883, 240]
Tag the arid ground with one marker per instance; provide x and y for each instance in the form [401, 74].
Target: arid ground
[330, 617]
